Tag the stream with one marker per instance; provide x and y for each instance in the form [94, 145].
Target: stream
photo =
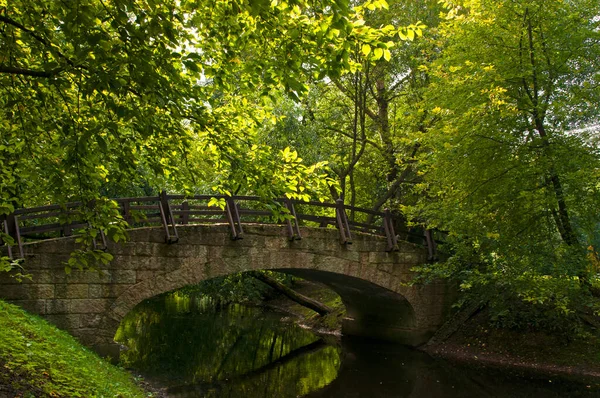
[196, 348]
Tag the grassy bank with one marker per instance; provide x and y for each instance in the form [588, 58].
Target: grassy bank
[37, 359]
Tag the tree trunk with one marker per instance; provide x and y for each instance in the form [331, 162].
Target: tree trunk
[452, 325]
[384, 129]
[539, 109]
[301, 299]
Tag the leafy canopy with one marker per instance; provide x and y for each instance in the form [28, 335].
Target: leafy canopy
[515, 187]
[105, 96]
[96, 92]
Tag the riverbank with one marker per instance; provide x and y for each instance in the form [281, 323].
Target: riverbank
[476, 344]
[37, 359]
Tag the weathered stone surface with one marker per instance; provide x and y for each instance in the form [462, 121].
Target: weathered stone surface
[100, 276]
[43, 276]
[123, 276]
[370, 281]
[66, 291]
[107, 291]
[90, 320]
[385, 257]
[14, 291]
[89, 306]
[58, 306]
[64, 321]
[34, 306]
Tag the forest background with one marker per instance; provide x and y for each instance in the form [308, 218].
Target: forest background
[476, 118]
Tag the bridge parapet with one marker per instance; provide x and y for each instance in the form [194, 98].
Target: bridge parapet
[173, 211]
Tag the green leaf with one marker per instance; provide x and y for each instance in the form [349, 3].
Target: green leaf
[387, 55]
[377, 53]
[366, 49]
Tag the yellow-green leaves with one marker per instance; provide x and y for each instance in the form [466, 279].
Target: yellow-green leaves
[387, 55]
[411, 31]
[505, 176]
[377, 53]
[217, 202]
[366, 49]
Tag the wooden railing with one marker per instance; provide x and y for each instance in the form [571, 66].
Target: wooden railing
[170, 211]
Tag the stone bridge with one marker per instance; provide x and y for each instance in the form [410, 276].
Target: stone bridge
[370, 281]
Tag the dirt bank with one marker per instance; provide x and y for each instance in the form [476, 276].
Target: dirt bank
[532, 354]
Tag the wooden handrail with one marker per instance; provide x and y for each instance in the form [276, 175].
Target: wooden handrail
[159, 210]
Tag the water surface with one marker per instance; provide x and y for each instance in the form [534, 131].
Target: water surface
[196, 348]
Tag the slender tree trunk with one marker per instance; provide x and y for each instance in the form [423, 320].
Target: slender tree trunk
[384, 126]
[562, 219]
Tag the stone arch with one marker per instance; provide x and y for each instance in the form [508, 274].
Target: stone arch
[373, 310]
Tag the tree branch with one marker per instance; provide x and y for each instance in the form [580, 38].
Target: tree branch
[399, 180]
[339, 85]
[301, 299]
[37, 37]
[348, 135]
[28, 72]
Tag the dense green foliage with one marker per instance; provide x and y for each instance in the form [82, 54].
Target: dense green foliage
[505, 174]
[478, 129]
[163, 92]
[363, 123]
[37, 359]
[108, 97]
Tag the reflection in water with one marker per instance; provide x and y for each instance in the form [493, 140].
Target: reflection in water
[197, 349]
[373, 369]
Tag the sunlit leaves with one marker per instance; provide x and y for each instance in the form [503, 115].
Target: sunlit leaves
[504, 163]
[366, 49]
[137, 84]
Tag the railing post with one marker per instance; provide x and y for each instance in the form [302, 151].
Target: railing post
[103, 237]
[5, 229]
[95, 242]
[237, 219]
[125, 211]
[11, 227]
[167, 216]
[342, 222]
[233, 218]
[431, 245]
[293, 230]
[67, 230]
[390, 234]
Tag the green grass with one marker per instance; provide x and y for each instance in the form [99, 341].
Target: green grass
[37, 359]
